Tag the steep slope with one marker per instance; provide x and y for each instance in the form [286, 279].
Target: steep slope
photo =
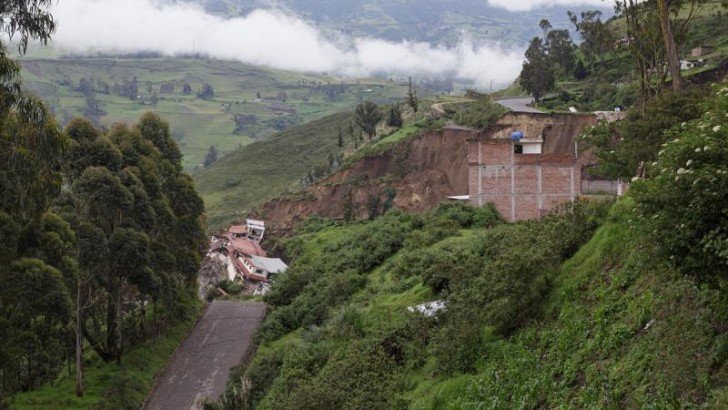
[420, 172]
[597, 305]
[262, 170]
[611, 327]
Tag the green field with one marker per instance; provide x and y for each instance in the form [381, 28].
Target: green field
[286, 99]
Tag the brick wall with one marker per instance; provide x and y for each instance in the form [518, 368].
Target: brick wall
[521, 186]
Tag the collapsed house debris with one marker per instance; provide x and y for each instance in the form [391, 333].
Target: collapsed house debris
[238, 256]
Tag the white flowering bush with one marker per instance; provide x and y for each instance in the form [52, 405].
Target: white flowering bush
[684, 202]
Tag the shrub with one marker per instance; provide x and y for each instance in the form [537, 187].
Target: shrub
[682, 204]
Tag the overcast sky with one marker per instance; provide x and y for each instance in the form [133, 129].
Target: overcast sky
[276, 39]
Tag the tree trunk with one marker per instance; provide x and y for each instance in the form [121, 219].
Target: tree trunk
[79, 343]
[111, 325]
[118, 328]
[673, 60]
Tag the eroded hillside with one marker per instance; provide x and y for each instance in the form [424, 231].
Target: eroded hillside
[422, 172]
[415, 174]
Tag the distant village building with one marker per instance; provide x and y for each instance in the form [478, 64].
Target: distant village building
[527, 164]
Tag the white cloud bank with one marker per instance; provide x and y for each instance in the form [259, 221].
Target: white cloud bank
[270, 38]
[525, 5]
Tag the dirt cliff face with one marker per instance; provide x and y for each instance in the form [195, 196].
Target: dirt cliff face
[422, 171]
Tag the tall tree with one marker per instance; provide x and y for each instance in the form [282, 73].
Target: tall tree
[673, 60]
[211, 156]
[561, 50]
[598, 37]
[545, 26]
[395, 116]
[537, 76]
[648, 44]
[367, 117]
[412, 99]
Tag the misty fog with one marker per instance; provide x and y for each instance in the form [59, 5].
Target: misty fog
[271, 38]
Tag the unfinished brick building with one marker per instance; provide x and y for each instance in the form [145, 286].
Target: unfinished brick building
[526, 164]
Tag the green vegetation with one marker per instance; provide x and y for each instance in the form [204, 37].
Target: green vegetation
[346, 297]
[207, 102]
[265, 169]
[100, 242]
[597, 305]
[621, 61]
[290, 160]
[108, 385]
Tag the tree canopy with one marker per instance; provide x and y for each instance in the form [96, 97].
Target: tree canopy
[537, 75]
[28, 19]
[367, 116]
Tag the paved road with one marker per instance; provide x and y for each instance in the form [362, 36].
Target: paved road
[201, 366]
[518, 104]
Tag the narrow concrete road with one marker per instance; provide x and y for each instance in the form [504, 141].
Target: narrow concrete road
[201, 366]
[518, 104]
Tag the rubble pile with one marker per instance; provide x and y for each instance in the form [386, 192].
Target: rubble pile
[238, 257]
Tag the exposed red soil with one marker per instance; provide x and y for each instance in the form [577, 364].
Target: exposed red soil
[423, 171]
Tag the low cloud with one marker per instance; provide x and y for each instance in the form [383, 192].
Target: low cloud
[525, 5]
[268, 37]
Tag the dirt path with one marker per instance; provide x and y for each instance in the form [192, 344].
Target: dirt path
[201, 366]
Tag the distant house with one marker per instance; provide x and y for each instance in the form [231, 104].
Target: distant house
[244, 247]
[527, 164]
[623, 42]
[253, 230]
[700, 51]
[256, 229]
[429, 309]
[280, 108]
[258, 268]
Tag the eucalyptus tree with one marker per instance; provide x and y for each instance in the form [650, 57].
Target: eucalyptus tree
[367, 116]
[597, 35]
[561, 50]
[412, 99]
[27, 19]
[655, 31]
[37, 266]
[537, 76]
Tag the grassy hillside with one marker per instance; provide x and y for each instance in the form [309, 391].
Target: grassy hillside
[286, 99]
[268, 168]
[613, 326]
[598, 305]
[285, 163]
